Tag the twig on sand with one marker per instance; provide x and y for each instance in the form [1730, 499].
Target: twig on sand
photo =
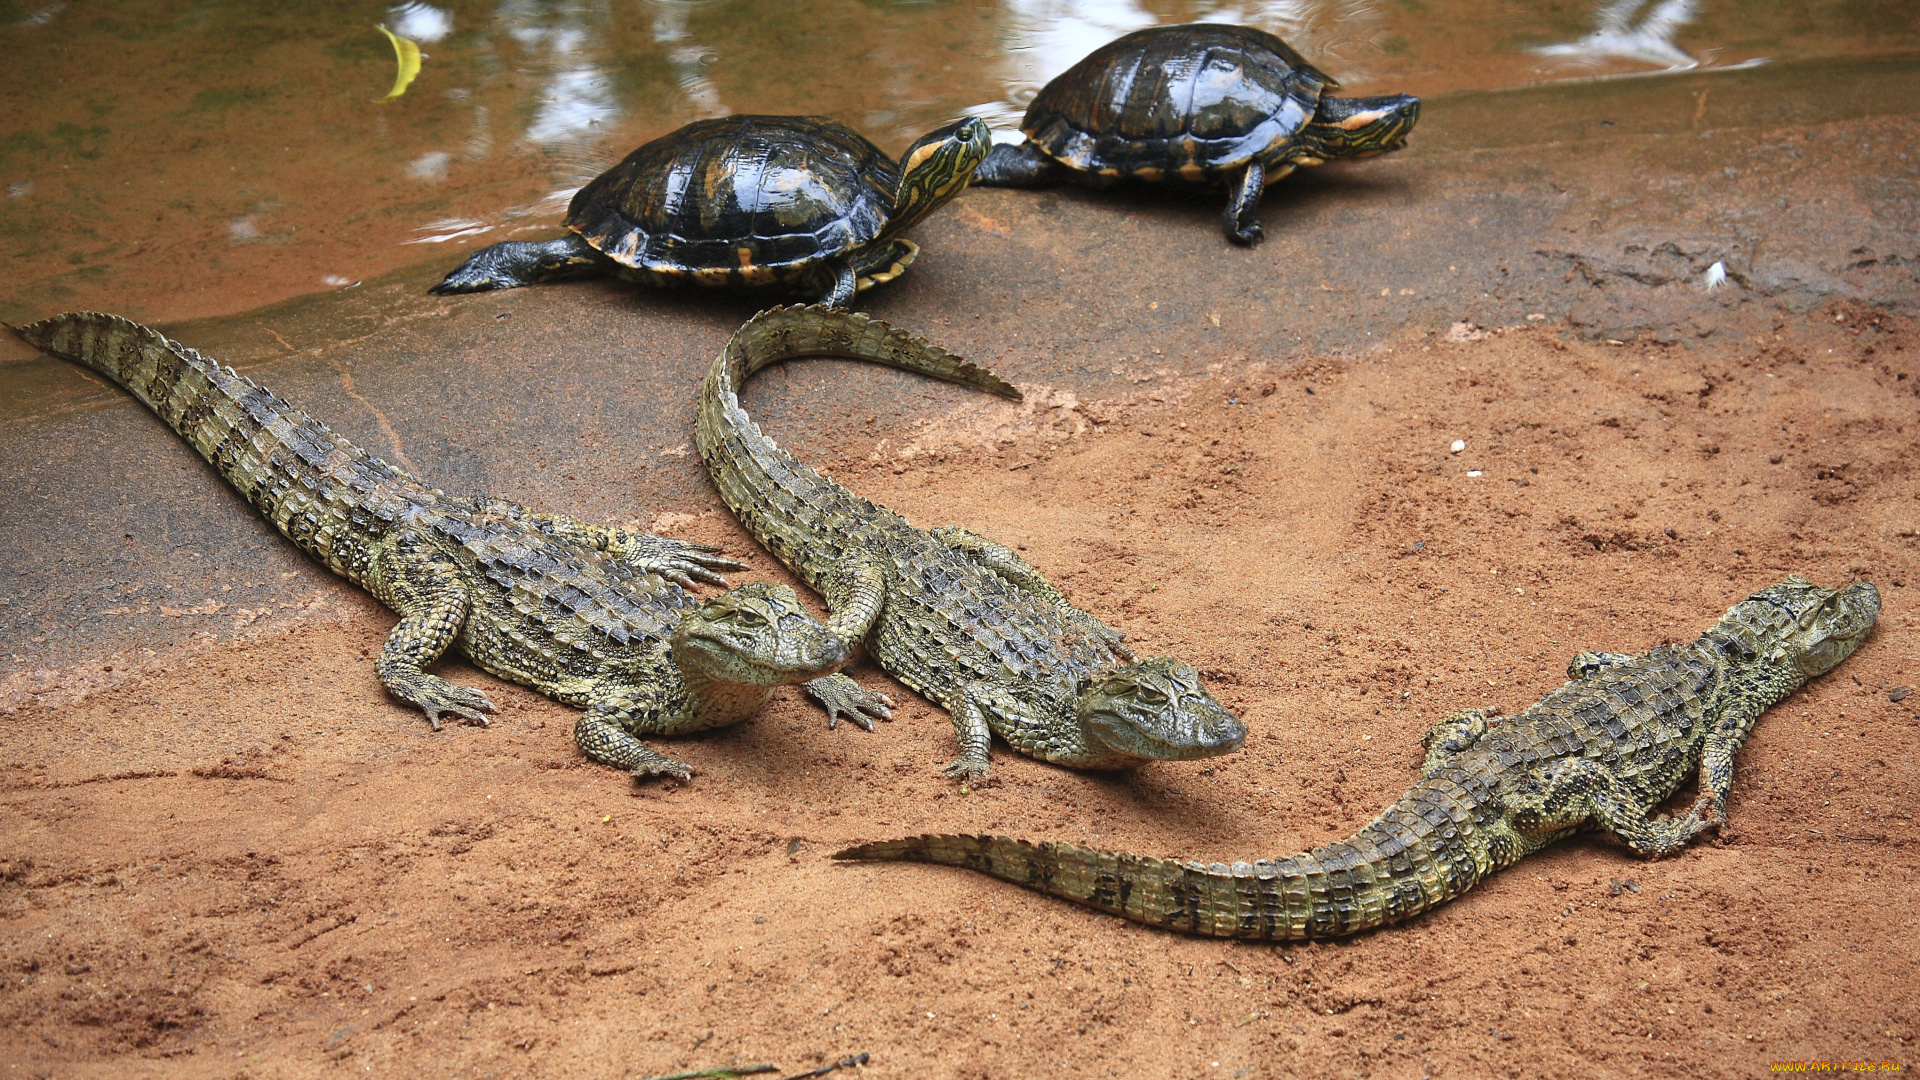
[844, 1063]
[733, 1072]
[719, 1072]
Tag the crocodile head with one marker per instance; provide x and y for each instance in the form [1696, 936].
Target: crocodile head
[755, 635]
[1813, 627]
[1156, 710]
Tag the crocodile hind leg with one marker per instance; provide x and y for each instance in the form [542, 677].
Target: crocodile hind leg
[1452, 737]
[1586, 665]
[602, 735]
[680, 561]
[1022, 165]
[1242, 224]
[1564, 795]
[1019, 573]
[426, 586]
[523, 262]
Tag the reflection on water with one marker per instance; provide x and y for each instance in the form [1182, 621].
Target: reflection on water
[213, 155]
[1647, 38]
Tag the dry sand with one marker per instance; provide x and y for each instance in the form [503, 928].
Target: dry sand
[248, 862]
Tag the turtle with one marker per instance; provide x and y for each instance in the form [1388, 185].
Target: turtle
[1203, 104]
[802, 203]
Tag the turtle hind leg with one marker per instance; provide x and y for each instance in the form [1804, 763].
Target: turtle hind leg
[1241, 224]
[1022, 165]
[840, 292]
[521, 262]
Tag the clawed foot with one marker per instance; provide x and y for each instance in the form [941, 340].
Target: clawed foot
[1680, 830]
[840, 694]
[971, 772]
[664, 766]
[680, 561]
[434, 696]
[1248, 236]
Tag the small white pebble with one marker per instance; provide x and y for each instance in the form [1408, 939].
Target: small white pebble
[1458, 445]
[1473, 472]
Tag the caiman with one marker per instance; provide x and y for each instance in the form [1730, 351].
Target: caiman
[1601, 753]
[586, 614]
[957, 617]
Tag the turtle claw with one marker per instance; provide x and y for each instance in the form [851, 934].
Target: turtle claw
[840, 694]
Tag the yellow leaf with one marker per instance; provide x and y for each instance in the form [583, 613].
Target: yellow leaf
[408, 54]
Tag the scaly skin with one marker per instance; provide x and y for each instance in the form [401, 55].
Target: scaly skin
[1600, 752]
[588, 615]
[959, 618]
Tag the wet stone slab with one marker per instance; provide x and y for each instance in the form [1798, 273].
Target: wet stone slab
[1600, 206]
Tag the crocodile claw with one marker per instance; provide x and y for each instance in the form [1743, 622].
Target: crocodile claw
[840, 694]
[436, 697]
[665, 766]
[681, 561]
[971, 772]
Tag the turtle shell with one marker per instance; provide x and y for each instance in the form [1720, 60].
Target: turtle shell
[1185, 102]
[746, 199]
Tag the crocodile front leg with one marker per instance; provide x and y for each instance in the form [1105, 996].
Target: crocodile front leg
[1452, 737]
[602, 735]
[1725, 739]
[838, 693]
[1565, 795]
[1020, 574]
[425, 585]
[1585, 665]
[970, 726]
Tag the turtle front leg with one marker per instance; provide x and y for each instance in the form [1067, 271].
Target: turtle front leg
[522, 262]
[845, 284]
[1242, 226]
[1008, 165]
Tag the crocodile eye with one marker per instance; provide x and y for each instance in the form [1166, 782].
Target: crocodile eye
[1150, 695]
[749, 617]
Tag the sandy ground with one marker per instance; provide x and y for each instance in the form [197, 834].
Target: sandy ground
[247, 862]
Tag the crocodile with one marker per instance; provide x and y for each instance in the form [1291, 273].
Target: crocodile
[959, 618]
[588, 615]
[1600, 752]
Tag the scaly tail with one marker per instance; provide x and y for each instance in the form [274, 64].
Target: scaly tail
[314, 486]
[786, 333]
[1374, 879]
[754, 476]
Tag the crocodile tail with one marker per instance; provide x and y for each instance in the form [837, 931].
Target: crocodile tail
[314, 486]
[786, 333]
[785, 505]
[1338, 889]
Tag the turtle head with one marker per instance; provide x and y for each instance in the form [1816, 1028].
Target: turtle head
[757, 635]
[1360, 127]
[1156, 710]
[937, 167]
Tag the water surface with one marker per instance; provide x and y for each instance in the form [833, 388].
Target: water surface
[172, 160]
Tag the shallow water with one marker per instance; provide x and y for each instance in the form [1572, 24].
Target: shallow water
[174, 161]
